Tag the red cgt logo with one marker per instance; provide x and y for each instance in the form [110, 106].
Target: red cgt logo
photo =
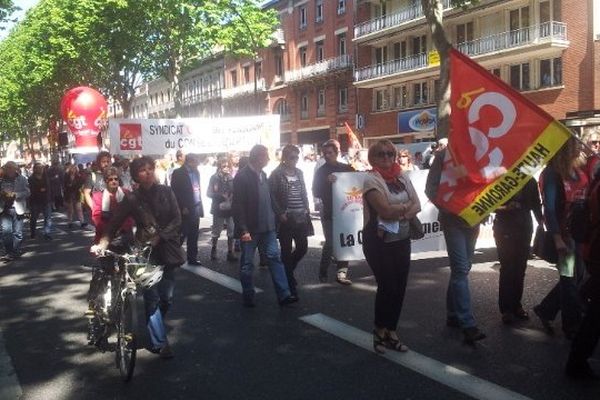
[131, 136]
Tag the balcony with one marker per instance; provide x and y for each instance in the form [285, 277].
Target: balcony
[410, 63]
[502, 46]
[382, 25]
[243, 90]
[551, 32]
[162, 107]
[319, 69]
[201, 97]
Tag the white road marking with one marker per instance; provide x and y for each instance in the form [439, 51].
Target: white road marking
[435, 370]
[9, 384]
[216, 277]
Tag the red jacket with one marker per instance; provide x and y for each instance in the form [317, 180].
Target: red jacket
[101, 219]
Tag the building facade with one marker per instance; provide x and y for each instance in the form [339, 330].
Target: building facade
[546, 49]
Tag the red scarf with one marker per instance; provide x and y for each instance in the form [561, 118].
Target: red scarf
[389, 175]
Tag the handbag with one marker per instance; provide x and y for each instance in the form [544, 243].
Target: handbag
[416, 228]
[225, 205]
[544, 247]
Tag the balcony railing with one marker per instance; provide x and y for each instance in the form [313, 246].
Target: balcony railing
[548, 31]
[395, 19]
[320, 68]
[244, 89]
[200, 97]
[166, 106]
[536, 34]
[391, 67]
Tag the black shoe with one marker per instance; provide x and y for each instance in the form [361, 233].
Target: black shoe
[323, 278]
[473, 334]
[291, 299]
[508, 318]
[248, 303]
[84, 225]
[522, 314]
[546, 323]
[194, 262]
[581, 371]
[452, 322]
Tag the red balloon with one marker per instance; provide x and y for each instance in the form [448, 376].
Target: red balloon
[85, 110]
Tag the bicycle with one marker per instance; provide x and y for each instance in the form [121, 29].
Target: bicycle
[118, 310]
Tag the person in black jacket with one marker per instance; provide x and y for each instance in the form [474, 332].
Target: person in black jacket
[254, 222]
[154, 210]
[513, 229]
[185, 183]
[40, 200]
[290, 203]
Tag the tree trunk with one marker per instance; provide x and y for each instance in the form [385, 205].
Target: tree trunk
[433, 10]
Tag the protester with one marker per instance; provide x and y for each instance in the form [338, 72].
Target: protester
[156, 213]
[290, 203]
[460, 240]
[220, 190]
[390, 201]
[185, 183]
[179, 161]
[40, 200]
[322, 189]
[73, 184]
[405, 161]
[56, 179]
[14, 191]
[592, 140]
[254, 222]
[564, 187]
[513, 229]
[95, 181]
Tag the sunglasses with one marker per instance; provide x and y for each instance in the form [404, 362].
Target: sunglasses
[595, 142]
[382, 154]
[404, 155]
[112, 179]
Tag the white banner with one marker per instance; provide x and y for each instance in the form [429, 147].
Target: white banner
[348, 216]
[192, 135]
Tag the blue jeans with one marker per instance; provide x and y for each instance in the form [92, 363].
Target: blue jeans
[157, 301]
[12, 231]
[267, 244]
[460, 243]
[46, 210]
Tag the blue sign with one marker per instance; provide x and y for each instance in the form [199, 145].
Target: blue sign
[424, 120]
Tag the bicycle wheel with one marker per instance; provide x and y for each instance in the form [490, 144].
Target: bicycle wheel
[126, 336]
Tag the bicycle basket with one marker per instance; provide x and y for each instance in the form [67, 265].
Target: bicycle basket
[142, 271]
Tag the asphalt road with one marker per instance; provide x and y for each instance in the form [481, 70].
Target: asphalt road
[319, 349]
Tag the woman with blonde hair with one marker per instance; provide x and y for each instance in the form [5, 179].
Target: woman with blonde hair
[390, 201]
[405, 160]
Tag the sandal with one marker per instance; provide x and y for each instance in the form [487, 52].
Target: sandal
[396, 344]
[379, 342]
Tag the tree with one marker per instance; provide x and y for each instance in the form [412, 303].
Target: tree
[7, 7]
[433, 10]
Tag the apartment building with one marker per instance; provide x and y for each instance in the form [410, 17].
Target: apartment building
[546, 49]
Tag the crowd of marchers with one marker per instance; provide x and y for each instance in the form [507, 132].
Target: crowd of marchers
[272, 213]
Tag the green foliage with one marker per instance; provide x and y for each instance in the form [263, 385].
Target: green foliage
[7, 7]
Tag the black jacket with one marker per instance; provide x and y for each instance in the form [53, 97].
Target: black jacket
[245, 201]
[40, 190]
[322, 188]
[184, 192]
[278, 185]
[155, 212]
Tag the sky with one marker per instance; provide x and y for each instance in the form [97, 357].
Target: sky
[24, 5]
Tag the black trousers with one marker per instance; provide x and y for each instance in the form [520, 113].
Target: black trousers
[290, 255]
[513, 253]
[588, 334]
[190, 229]
[390, 263]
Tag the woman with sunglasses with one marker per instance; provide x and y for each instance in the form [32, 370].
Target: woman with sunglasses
[405, 161]
[390, 201]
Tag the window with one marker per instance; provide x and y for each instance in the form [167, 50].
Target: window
[258, 70]
[343, 99]
[321, 102]
[496, 72]
[341, 7]
[320, 51]
[302, 17]
[519, 20]
[550, 10]
[420, 94]
[399, 50]
[551, 72]
[341, 39]
[304, 105]
[302, 52]
[319, 11]
[401, 97]
[278, 65]
[381, 100]
[464, 33]
[283, 110]
[419, 44]
[247, 74]
[519, 76]
[233, 75]
[436, 90]
[380, 55]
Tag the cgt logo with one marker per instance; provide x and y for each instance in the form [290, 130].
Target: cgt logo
[130, 136]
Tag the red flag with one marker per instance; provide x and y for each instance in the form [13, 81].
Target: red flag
[354, 142]
[498, 139]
